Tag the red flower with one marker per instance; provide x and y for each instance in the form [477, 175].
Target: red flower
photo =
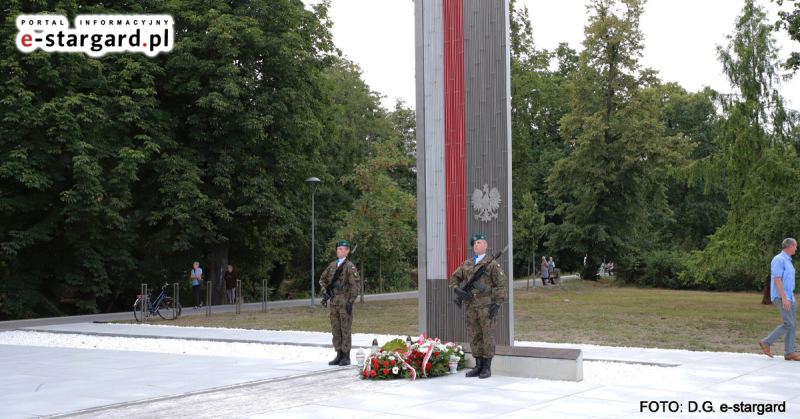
[428, 366]
[385, 363]
[436, 354]
[386, 371]
[365, 372]
[417, 362]
[372, 373]
[394, 363]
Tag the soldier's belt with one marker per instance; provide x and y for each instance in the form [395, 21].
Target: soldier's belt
[482, 301]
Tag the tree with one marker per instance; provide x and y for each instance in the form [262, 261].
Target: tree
[790, 22]
[538, 102]
[696, 214]
[758, 159]
[125, 169]
[609, 184]
[383, 219]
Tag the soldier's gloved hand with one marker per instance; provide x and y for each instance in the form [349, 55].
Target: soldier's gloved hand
[349, 308]
[493, 311]
[462, 294]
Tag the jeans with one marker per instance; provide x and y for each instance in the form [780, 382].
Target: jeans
[787, 328]
[231, 294]
[196, 290]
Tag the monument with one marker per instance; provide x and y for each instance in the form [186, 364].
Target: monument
[463, 152]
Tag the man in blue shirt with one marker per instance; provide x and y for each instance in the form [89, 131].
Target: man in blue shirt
[782, 294]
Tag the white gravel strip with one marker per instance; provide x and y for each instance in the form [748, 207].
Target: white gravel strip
[169, 346]
[602, 373]
[386, 338]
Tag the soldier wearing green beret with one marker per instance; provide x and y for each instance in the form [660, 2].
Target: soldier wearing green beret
[481, 309]
[341, 306]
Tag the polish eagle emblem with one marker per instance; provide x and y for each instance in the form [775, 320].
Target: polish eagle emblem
[486, 203]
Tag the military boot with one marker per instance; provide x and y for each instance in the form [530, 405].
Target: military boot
[486, 372]
[338, 359]
[345, 359]
[478, 367]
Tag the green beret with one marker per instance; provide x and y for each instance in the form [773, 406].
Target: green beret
[476, 237]
[343, 243]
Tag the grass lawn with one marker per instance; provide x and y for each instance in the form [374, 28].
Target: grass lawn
[575, 312]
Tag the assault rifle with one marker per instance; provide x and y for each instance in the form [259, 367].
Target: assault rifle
[330, 291]
[465, 293]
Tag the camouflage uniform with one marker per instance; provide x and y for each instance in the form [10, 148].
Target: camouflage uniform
[479, 327]
[341, 322]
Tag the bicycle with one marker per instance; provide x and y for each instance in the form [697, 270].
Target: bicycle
[161, 306]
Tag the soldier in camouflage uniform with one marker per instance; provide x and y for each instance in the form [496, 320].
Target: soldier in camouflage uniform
[341, 306]
[481, 310]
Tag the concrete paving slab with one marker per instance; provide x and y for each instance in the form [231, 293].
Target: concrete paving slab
[507, 398]
[670, 384]
[564, 388]
[770, 394]
[448, 409]
[538, 414]
[313, 411]
[728, 378]
[91, 378]
[573, 405]
[383, 403]
[622, 393]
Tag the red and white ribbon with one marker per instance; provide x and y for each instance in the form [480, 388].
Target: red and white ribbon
[427, 357]
[413, 371]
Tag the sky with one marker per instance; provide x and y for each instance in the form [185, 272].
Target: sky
[680, 39]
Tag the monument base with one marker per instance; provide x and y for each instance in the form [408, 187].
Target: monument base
[530, 362]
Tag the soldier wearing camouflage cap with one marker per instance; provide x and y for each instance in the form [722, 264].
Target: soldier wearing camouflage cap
[341, 306]
[481, 310]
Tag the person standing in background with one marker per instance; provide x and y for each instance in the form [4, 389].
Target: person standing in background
[230, 284]
[196, 276]
[545, 268]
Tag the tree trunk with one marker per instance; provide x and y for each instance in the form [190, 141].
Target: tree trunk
[216, 272]
[276, 278]
[117, 290]
[767, 284]
[362, 280]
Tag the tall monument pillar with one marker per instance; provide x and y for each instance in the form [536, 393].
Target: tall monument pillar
[463, 152]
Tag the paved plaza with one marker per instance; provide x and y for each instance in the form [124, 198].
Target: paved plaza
[89, 383]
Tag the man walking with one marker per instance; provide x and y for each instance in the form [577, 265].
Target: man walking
[481, 309]
[346, 287]
[782, 295]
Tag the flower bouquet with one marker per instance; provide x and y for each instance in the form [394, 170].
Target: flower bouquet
[431, 358]
[387, 364]
[425, 358]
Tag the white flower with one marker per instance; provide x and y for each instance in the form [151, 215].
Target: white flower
[391, 358]
[404, 367]
[461, 352]
[395, 370]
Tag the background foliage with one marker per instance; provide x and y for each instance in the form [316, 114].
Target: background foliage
[124, 169]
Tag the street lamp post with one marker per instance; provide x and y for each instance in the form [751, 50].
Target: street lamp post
[314, 184]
